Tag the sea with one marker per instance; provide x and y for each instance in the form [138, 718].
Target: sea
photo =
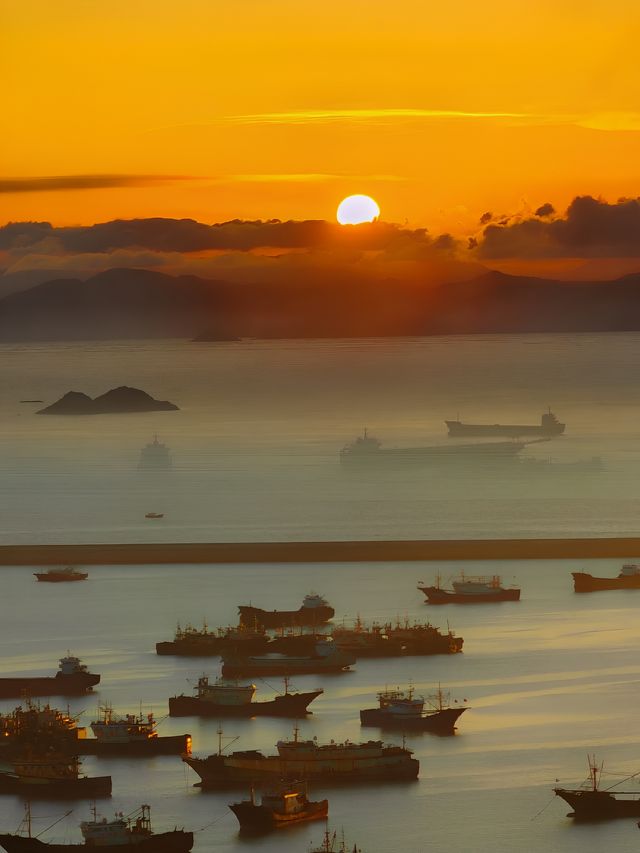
[547, 681]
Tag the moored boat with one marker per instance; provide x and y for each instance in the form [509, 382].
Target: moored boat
[51, 775]
[332, 844]
[325, 656]
[403, 710]
[72, 679]
[628, 578]
[230, 699]
[315, 611]
[591, 802]
[154, 456]
[66, 575]
[548, 427]
[196, 642]
[284, 806]
[132, 831]
[480, 589]
[132, 734]
[395, 640]
[330, 763]
[39, 728]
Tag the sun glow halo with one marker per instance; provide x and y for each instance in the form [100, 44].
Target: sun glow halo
[355, 209]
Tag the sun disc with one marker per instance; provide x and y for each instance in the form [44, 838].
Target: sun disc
[355, 209]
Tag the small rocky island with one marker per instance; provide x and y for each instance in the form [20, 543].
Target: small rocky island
[121, 400]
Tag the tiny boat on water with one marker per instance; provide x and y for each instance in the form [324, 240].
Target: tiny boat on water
[628, 578]
[285, 806]
[403, 710]
[230, 699]
[51, 775]
[480, 589]
[315, 610]
[132, 831]
[66, 575]
[154, 515]
[72, 679]
[591, 802]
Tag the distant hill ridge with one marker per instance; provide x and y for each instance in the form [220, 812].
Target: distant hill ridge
[139, 303]
[116, 401]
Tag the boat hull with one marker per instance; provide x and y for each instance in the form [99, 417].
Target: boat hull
[598, 805]
[209, 648]
[177, 841]
[58, 685]
[583, 582]
[311, 666]
[254, 818]
[304, 617]
[45, 577]
[97, 786]
[288, 705]
[174, 745]
[439, 722]
[435, 595]
[457, 428]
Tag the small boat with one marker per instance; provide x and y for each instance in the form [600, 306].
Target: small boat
[397, 640]
[52, 775]
[230, 699]
[154, 515]
[61, 575]
[72, 679]
[130, 735]
[130, 832]
[38, 728]
[324, 656]
[196, 642]
[285, 806]
[548, 427]
[154, 456]
[400, 709]
[331, 844]
[628, 578]
[315, 610]
[471, 590]
[590, 802]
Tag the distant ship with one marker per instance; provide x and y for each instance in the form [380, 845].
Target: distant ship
[285, 806]
[154, 515]
[594, 803]
[403, 710]
[367, 449]
[40, 728]
[308, 759]
[548, 427]
[131, 735]
[629, 578]
[391, 640]
[196, 642]
[113, 836]
[52, 776]
[72, 678]
[61, 575]
[315, 610]
[154, 456]
[225, 699]
[471, 590]
[325, 656]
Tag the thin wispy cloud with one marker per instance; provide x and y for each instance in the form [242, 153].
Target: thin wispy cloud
[306, 177]
[83, 182]
[364, 115]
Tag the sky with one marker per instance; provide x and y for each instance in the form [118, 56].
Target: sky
[260, 109]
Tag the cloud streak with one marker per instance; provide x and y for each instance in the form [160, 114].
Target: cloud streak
[365, 115]
[55, 183]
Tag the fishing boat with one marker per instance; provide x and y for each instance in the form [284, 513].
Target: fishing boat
[591, 802]
[72, 678]
[548, 427]
[131, 831]
[66, 575]
[285, 806]
[52, 775]
[395, 640]
[315, 610]
[403, 710]
[325, 656]
[226, 698]
[480, 589]
[628, 578]
[201, 642]
[154, 515]
[329, 763]
[132, 734]
[332, 844]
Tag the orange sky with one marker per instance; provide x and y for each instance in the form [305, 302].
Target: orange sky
[279, 108]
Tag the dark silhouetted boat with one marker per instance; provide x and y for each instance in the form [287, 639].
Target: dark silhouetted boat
[200, 642]
[131, 832]
[403, 710]
[591, 802]
[51, 775]
[471, 590]
[230, 699]
[395, 640]
[154, 456]
[332, 844]
[629, 578]
[71, 679]
[548, 427]
[315, 610]
[66, 575]
[284, 806]
[324, 656]
[131, 735]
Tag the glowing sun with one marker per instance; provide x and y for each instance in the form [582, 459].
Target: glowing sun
[355, 209]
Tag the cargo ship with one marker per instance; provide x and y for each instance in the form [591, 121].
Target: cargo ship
[154, 456]
[315, 610]
[590, 802]
[367, 449]
[403, 710]
[391, 640]
[330, 763]
[471, 590]
[196, 642]
[628, 578]
[130, 832]
[131, 735]
[52, 775]
[548, 427]
[225, 699]
[325, 656]
[66, 575]
[285, 806]
[72, 679]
